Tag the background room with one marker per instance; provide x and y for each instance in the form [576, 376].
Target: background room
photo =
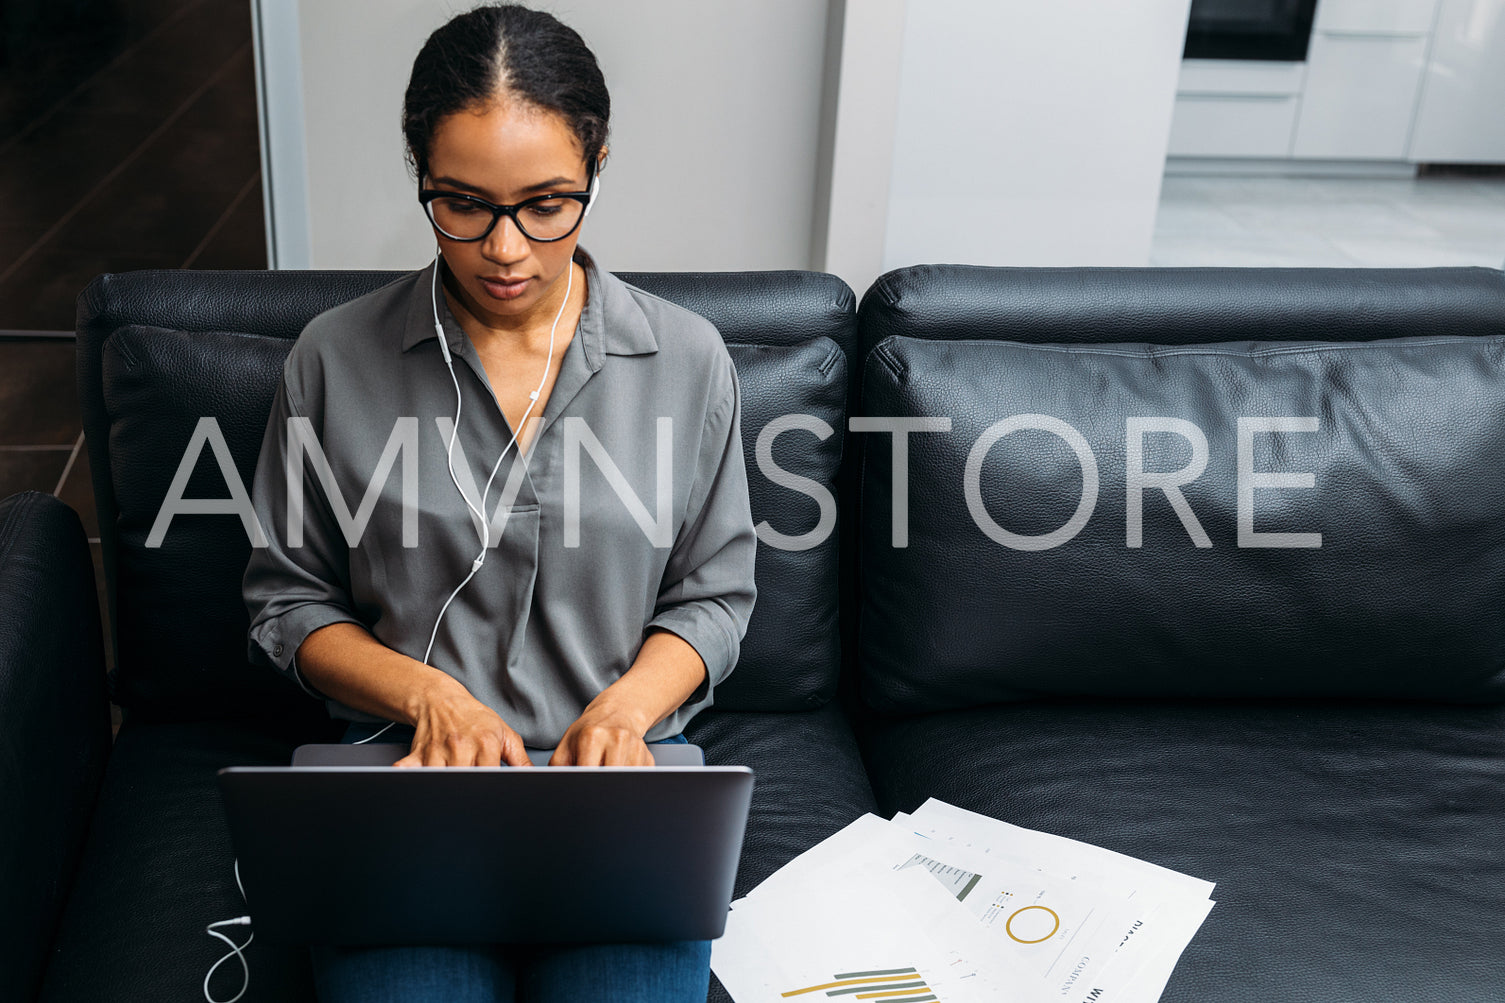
[830, 135]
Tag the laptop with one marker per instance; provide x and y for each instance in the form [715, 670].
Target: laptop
[362, 852]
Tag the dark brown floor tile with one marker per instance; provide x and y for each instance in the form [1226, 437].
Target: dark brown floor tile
[30, 470]
[42, 295]
[190, 89]
[152, 69]
[167, 200]
[165, 71]
[52, 169]
[69, 148]
[78, 492]
[59, 52]
[241, 241]
[49, 55]
[173, 190]
[15, 238]
[215, 144]
[168, 222]
[38, 396]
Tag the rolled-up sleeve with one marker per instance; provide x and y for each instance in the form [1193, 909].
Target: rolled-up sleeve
[292, 591]
[708, 589]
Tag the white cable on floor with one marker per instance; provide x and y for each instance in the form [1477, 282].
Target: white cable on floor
[235, 949]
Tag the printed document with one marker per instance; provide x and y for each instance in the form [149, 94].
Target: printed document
[950, 906]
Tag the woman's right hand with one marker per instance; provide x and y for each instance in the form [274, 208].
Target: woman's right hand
[453, 728]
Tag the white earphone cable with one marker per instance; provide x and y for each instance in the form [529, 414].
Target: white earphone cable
[235, 949]
[480, 513]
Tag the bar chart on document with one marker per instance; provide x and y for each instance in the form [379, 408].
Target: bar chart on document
[892, 985]
[957, 880]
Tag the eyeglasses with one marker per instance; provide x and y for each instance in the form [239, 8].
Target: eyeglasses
[543, 218]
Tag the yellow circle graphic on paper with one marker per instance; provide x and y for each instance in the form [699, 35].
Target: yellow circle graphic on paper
[1008, 924]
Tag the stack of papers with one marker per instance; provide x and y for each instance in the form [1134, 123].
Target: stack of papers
[952, 906]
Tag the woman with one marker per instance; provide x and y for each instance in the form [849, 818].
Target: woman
[594, 607]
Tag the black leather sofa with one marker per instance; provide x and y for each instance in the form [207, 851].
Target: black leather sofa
[1317, 724]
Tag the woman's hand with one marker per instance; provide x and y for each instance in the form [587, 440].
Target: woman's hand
[609, 732]
[604, 736]
[450, 727]
[453, 728]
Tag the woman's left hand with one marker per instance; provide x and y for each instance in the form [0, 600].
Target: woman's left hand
[602, 736]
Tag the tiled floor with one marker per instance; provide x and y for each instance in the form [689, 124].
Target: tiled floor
[129, 142]
[150, 160]
[1336, 222]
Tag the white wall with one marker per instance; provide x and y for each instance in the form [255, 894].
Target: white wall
[363, 210]
[1032, 133]
[862, 105]
[850, 136]
[715, 121]
[1459, 119]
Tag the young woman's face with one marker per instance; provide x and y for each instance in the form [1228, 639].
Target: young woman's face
[505, 154]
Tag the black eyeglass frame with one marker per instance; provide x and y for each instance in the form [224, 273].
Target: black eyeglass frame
[427, 195]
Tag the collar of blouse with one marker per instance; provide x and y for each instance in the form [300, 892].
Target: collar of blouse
[612, 323]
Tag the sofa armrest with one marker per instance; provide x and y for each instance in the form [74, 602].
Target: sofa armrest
[54, 723]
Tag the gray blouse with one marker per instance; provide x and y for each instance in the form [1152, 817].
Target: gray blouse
[629, 511]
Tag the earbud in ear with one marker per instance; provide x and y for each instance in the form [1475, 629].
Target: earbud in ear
[595, 187]
[434, 296]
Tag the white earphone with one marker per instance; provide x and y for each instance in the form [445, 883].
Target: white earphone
[595, 187]
[454, 431]
[480, 513]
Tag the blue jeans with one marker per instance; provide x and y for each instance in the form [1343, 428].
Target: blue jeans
[542, 973]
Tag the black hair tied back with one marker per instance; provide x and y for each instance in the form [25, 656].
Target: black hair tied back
[504, 50]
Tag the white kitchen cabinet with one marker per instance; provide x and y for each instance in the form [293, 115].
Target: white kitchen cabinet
[1395, 17]
[1461, 115]
[1233, 125]
[1360, 95]
[1235, 108]
[1385, 80]
[1239, 76]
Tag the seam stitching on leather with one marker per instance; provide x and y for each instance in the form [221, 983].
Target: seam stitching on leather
[114, 340]
[829, 362]
[1171, 351]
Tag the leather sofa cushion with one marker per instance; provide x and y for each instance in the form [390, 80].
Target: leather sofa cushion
[179, 619]
[1403, 593]
[273, 305]
[1180, 306]
[1358, 848]
[791, 655]
[54, 723]
[158, 865]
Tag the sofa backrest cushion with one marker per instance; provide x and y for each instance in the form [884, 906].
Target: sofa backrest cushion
[791, 656]
[159, 351]
[1180, 306]
[1315, 519]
